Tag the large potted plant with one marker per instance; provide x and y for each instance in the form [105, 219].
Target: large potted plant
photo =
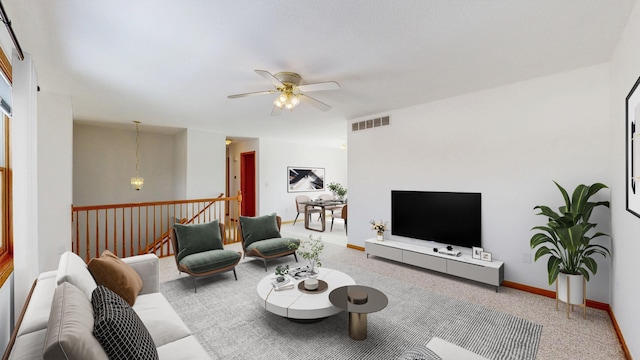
[567, 239]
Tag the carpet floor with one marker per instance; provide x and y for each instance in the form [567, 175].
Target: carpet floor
[230, 323]
[561, 338]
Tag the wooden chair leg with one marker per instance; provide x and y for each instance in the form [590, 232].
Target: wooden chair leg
[295, 256]
[234, 274]
[296, 219]
[331, 224]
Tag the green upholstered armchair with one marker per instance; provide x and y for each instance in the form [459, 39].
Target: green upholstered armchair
[261, 238]
[199, 252]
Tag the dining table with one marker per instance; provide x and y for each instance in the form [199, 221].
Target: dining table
[322, 204]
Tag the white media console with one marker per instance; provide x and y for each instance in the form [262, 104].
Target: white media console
[464, 266]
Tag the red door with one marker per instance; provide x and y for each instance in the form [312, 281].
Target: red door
[248, 183]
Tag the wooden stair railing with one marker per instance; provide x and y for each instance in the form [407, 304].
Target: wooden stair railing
[139, 228]
[163, 240]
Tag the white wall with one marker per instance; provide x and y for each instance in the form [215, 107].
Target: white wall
[187, 165]
[180, 165]
[55, 133]
[24, 160]
[625, 226]
[205, 176]
[276, 156]
[508, 143]
[104, 162]
[273, 157]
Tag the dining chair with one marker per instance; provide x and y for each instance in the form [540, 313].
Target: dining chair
[341, 215]
[301, 207]
[329, 208]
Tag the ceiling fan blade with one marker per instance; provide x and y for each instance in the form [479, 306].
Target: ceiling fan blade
[315, 103]
[252, 93]
[321, 86]
[276, 111]
[270, 78]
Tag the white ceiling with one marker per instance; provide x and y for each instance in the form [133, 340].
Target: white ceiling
[173, 63]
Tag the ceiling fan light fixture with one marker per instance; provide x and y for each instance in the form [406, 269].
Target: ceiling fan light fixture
[289, 91]
[287, 100]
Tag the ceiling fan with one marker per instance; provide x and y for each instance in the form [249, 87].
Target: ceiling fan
[287, 84]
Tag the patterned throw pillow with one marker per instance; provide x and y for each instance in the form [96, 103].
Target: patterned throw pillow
[119, 329]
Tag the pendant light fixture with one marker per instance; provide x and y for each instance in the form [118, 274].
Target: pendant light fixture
[137, 182]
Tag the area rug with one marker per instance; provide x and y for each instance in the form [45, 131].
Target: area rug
[227, 319]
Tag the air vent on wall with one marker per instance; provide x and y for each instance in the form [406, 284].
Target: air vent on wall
[368, 124]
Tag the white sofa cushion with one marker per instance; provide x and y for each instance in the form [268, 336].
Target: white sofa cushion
[160, 318]
[36, 315]
[72, 269]
[28, 346]
[184, 349]
[147, 266]
[69, 334]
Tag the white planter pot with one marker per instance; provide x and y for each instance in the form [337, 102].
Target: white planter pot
[576, 289]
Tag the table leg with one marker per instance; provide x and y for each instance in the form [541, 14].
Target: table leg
[322, 219]
[357, 326]
[306, 218]
[307, 225]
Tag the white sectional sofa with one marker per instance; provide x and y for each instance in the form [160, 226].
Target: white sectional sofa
[57, 318]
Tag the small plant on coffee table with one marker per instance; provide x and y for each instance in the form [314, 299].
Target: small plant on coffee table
[282, 270]
[310, 250]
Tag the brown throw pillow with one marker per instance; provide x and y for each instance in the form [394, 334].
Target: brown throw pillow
[116, 275]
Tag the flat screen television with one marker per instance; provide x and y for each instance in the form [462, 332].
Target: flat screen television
[451, 218]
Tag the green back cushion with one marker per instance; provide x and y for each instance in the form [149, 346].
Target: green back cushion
[259, 228]
[196, 238]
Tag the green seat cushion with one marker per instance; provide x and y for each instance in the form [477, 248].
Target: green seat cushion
[210, 260]
[259, 228]
[197, 238]
[273, 246]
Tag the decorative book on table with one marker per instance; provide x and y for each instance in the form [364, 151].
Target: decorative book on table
[282, 285]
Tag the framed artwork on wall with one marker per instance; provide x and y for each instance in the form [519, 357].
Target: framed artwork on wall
[305, 179]
[632, 140]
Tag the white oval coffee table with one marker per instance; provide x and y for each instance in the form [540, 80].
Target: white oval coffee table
[295, 304]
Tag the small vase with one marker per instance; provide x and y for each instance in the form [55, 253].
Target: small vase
[313, 271]
[380, 236]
